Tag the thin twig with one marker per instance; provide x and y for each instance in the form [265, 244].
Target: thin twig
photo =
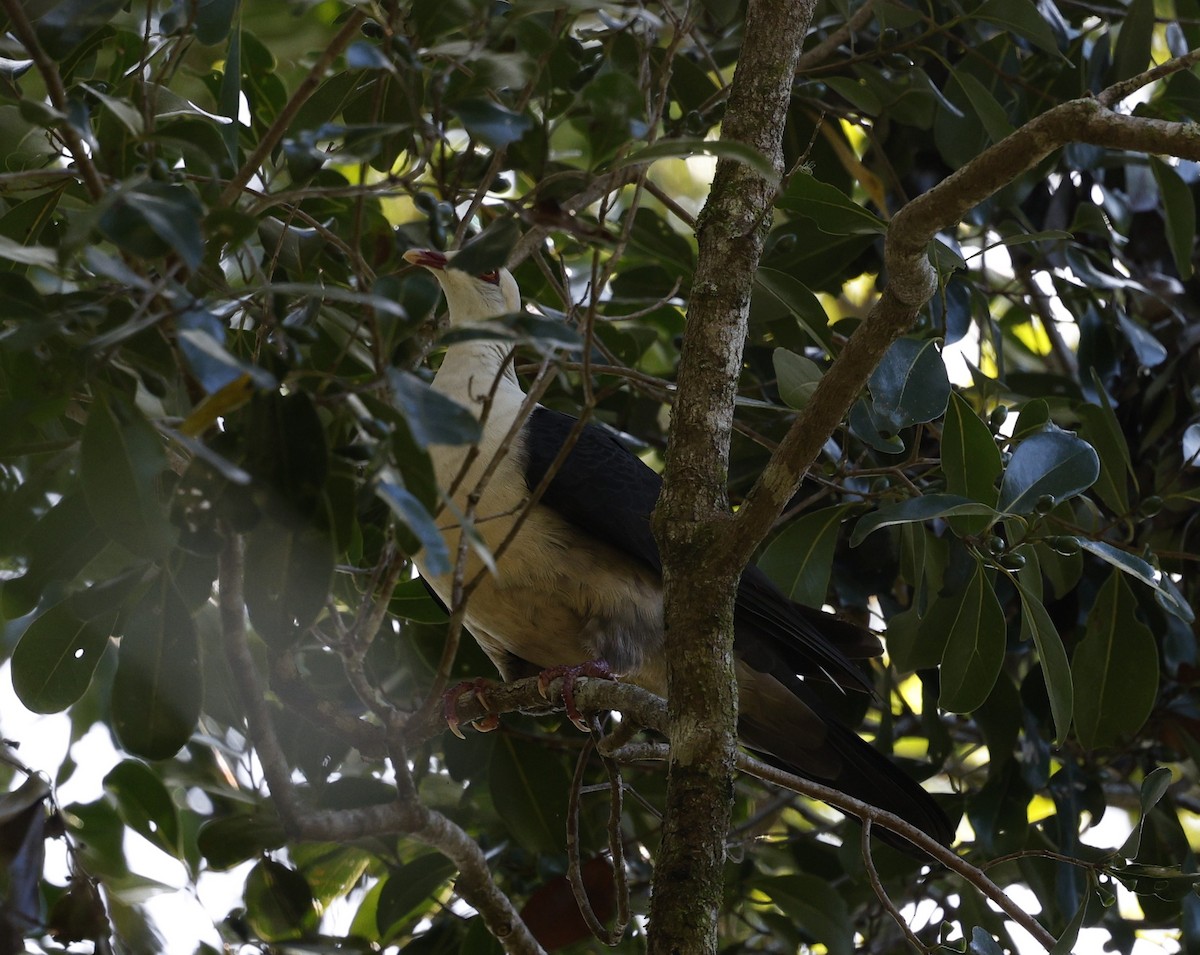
[23, 30]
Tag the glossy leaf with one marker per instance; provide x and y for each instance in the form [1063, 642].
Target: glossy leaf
[1037, 625]
[1050, 464]
[1178, 207]
[797, 377]
[1140, 569]
[832, 211]
[529, 787]
[288, 573]
[1102, 430]
[145, 804]
[491, 123]
[975, 649]
[925, 508]
[56, 657]
[157, 689]
[279, 902]
[1154, 787]
[1023, 19]
[1117, 661]
[409, 891]
[122, 461]
[970, 461]
[417, 519]
[431, 416]
[791, 294]
[490, 249]
[910, 384]
[800, 558]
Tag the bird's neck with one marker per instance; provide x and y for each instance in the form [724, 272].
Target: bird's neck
[474, 371]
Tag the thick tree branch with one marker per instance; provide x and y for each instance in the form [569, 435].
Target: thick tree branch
[404, 815]
[699, 580]
[911, 280]
[642, 708]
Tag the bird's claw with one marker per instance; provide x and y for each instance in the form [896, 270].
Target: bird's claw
[592, 668]
[478, 687]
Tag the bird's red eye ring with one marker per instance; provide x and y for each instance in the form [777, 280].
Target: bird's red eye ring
[492, 278]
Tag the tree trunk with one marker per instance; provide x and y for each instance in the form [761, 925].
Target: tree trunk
[694, 508]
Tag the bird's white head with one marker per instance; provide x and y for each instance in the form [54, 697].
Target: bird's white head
[469, 298]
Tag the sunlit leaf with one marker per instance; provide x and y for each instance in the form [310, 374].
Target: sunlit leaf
[279, 902]
[158, 685]
[56, 657]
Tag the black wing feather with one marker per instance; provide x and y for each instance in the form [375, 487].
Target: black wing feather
[607, 491]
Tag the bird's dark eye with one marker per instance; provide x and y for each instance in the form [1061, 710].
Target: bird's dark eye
[492, 278]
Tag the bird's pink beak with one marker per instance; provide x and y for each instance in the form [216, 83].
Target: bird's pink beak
[429, 258]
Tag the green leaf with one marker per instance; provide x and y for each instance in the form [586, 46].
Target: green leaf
[490, 249]
[155, 218]
[1023, 18]
[53, 664]
[68, 23]
[38, 255]
[1117, 661]
[1054, 464]
[418, 520]
[814, 904]
[800, 302]
[1133, 54]
[529, 786]
[831, 210]
[411, 601]
[279, 903]
[233, 839]
[144, 804]
[982, 943]
[720, 148]
[58, 547]
[158, 686]
[797, 377]
[910, 384]
[971, 462]
[431, 416]
[1141, 569]
[924, 508]
[287, 453]
[122, 460]
[975, 650]
[1056, 670]
[1179, 210]
[408, 891]
[800, 558]
[1154, 787]
[1103, 432]
[491, 123]
[984, 105]
[289, 570]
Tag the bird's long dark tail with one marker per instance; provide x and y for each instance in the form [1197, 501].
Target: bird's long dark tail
[793, 734]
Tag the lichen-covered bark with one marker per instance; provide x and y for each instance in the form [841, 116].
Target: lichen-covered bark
[693, 511]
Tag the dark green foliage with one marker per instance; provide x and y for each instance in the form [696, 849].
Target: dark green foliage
[180, 369]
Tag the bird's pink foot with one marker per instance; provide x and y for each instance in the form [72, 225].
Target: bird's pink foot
[478, 688]
[592, 668]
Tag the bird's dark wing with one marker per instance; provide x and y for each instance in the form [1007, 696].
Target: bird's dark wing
[602, 487]
[607, 491]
